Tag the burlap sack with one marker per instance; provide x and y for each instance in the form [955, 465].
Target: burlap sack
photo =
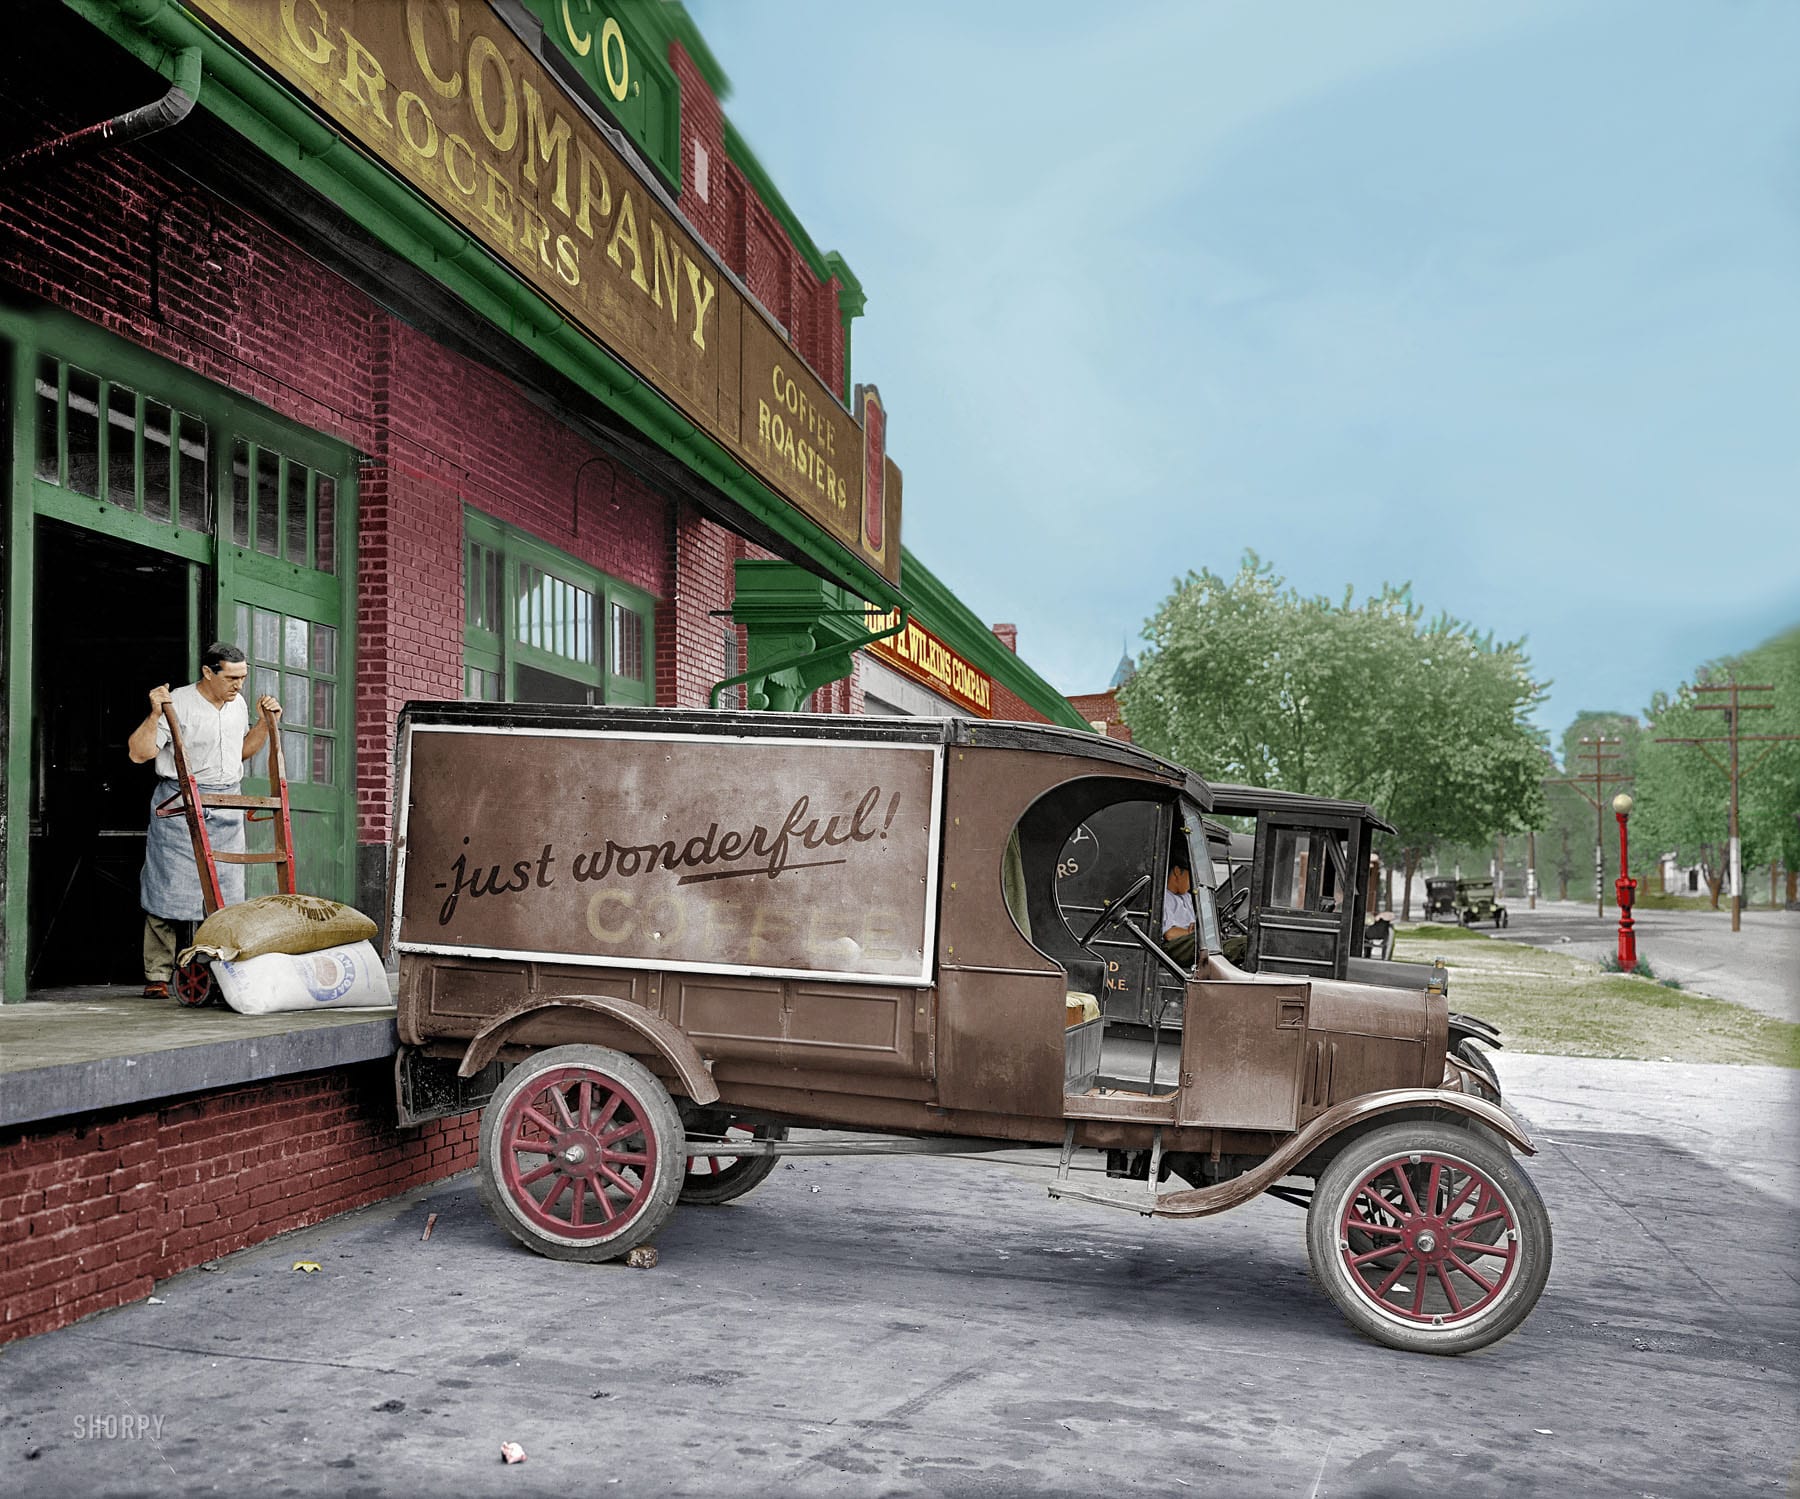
[278, 923]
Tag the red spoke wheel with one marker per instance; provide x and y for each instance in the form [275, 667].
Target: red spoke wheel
[581, 1153]
[194, 983]
[1429, 1238]
[713, 1179]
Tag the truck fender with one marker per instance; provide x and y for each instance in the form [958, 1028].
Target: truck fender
[1353, 1115]
[674, 1047]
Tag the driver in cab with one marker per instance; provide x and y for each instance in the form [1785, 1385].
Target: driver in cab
[1178, 914]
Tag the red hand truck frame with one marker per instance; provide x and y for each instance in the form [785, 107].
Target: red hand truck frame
[194, 981]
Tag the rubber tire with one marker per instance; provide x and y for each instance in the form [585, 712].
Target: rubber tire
[1502, 920]
[1471, 1055]
[1346, 1173]
[747, 1174]
[660, 1117]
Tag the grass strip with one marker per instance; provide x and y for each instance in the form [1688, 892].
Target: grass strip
[1554, 1004]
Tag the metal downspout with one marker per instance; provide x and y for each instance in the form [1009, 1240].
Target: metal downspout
[134, 124]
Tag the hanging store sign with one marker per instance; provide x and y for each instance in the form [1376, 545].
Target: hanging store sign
[448, 98]
[919, 654]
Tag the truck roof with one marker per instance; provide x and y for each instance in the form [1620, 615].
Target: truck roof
[975, 733]
[1232, 800]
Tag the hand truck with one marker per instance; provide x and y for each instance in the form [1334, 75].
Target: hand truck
[194, 980]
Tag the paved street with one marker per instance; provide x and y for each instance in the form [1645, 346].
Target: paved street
[913, 1326]
[1758, 966]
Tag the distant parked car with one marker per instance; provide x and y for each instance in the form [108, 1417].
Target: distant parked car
[1475, 901]
[1440, 898]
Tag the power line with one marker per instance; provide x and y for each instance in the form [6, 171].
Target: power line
[1734, 773]
[1600, 750]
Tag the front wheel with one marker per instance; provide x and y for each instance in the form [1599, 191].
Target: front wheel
[581, 1153]
[1429, 1238]
[1500, 919]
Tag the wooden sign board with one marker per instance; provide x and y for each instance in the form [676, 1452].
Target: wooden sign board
[797, 858]
[448, 98]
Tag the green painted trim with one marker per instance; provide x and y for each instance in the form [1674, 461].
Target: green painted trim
[265, 113]
[951, 620]
[504, 648]
[647, 47]
[851, 302]
[19, 606]
[669, 21]
[754, 173]
[851, 297]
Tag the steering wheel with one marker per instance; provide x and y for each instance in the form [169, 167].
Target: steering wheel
[1114, 910]
[1118, 911]
[1237, 912]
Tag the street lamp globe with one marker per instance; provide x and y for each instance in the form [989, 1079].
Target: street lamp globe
[1622, 804]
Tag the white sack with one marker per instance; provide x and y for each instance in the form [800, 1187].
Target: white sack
[333, 978]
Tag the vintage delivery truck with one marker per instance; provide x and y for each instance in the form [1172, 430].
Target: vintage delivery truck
[665, 938]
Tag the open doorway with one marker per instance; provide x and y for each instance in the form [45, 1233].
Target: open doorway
[109, 622]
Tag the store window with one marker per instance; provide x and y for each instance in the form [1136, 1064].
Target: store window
[541, 627]
[296, 662]
[105, 440]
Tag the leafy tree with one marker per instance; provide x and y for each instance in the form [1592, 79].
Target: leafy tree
[1248, 680]
[1570, 829]
[1683, 793]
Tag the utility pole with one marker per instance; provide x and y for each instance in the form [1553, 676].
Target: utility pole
[1732, 707]
[1531, 870]
[1603, 751]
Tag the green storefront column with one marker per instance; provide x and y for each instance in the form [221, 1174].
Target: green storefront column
[788, 612]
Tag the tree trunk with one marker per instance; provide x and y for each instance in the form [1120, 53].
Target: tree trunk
[1715, 882]
[1793, 893]
[1409, 858]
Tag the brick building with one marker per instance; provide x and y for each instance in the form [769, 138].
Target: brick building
[424, 352]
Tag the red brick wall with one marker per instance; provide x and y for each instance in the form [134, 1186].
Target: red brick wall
[94, 1211]
[749, 238]
[437, 431]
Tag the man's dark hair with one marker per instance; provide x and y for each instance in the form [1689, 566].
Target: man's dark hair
[218, 653]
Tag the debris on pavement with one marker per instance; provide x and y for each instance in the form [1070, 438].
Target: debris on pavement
[512, 1452]
[430, 1223]
[309, 1266]
[154, 1301]
[644, 1257]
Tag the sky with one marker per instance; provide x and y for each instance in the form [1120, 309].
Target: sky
[1499, 301]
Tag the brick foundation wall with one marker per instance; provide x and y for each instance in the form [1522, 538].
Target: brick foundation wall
[95, 1210]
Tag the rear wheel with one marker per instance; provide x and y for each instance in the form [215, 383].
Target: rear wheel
[581, 1153]
[1429, 1238]
[713, 1179]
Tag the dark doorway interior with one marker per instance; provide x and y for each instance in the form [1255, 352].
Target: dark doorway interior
[109, 623]
[536, 686]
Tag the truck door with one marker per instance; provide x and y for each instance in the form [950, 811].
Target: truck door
[1304, 900]
[1241, 1054]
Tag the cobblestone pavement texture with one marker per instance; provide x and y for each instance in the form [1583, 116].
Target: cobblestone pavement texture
[934, 1326]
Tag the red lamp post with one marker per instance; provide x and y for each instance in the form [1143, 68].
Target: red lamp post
[1626, 887]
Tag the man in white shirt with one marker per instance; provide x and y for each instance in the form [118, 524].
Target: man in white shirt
[1178, 914]
[217, 738]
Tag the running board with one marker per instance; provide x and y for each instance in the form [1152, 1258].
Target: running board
[1133, 1196]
